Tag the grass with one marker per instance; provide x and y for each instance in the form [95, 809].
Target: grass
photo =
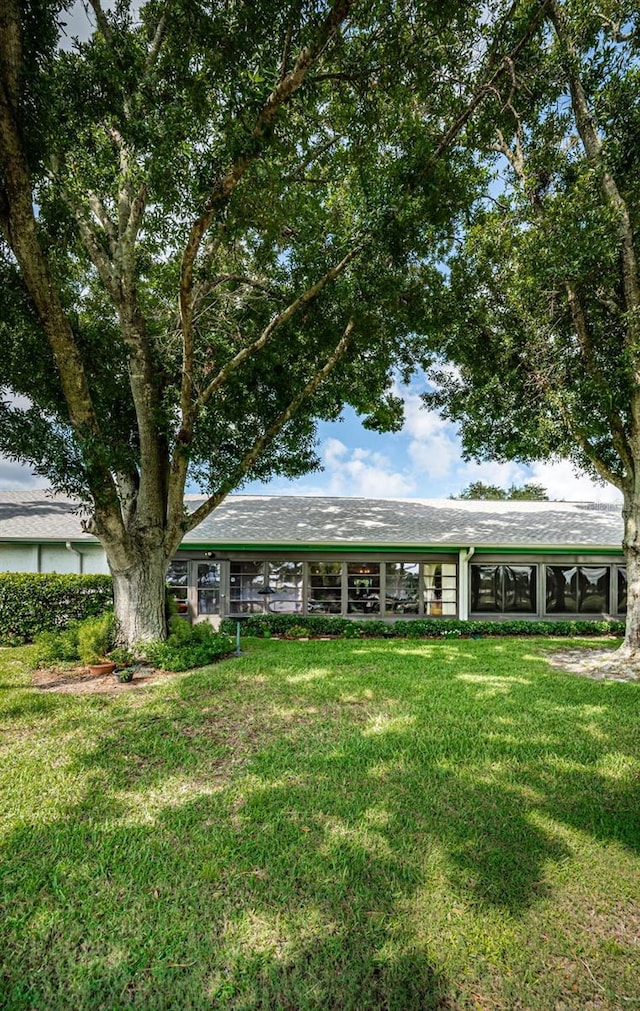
[335, 825]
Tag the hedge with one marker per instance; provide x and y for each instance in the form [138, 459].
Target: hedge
[189, 646]
[297, 625]
[39, 602]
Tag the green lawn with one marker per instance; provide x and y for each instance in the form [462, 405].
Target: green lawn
[349, 825]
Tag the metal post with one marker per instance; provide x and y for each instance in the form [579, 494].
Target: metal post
[238, 650]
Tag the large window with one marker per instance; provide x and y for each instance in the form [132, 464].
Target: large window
[402, 587]
[208, 587]
[178, 583]
[285, 579]
[440, 588]
[363, 588]
[577, 589]
[246, 579]
[503, 588]
[325, 588]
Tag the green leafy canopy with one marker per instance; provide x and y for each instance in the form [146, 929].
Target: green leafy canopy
[295, 145]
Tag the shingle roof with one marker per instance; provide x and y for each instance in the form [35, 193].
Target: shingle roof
[299, 520]
[37, 516]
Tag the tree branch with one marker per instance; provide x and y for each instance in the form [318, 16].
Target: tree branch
[158, 39]
[595, 152]
[587, 448]
[22, 236]
[101, 260]
[506, 64]
[240, 279]
[190, 409]
[101, 213]
[284, 63]
[270, 434]
[618, 434]
[101, 20]
[283, 317]
[259, 138]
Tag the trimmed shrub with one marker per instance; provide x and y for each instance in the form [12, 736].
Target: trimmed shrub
[31, 603]
[87, 641]
[58, 647]
[188, 646]
[416, 628]
[95, 637]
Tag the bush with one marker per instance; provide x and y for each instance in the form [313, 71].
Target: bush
[95, 637]
[293, 632]
[31, 603]
[58, 647]
[122, 657]
[188, 646]
[415, 628]
[87, 641]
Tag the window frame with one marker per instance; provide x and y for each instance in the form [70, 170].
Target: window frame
[499, 595]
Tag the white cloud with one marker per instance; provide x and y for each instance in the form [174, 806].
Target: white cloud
[433, 446]
[333, 451]
[563, 482]
[362, 472]
[347, 472]
[490, 472]
[435, 453]
[16, 477]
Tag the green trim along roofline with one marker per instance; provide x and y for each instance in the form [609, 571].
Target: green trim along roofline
[353, 547]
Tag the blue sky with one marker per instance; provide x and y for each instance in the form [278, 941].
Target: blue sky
[423, 460]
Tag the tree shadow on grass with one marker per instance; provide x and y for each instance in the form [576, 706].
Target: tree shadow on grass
[235, 853]
[164, 915]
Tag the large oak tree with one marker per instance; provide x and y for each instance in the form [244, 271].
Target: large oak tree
[542, 314]
[217, 222]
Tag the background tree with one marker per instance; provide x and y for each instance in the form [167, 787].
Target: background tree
[217, 220]
[543, 308]
[530, 491]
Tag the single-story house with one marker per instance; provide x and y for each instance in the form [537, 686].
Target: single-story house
[384, 558]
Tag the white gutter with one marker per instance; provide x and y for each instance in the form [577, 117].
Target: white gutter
[464, 555]
[78, 554]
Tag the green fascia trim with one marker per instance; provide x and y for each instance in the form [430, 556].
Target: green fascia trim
[325, 548]
[412, 548]
[577, 550]
[57, 542]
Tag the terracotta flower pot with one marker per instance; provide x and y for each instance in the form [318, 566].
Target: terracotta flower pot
[102, 668]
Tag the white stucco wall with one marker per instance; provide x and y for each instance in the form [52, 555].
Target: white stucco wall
[53, 558]
[18, 557]
[94, 560]
[56, 558]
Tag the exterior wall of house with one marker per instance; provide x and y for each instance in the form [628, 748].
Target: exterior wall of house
[19, 557]
[494, 586]
[550, 587]
[84, 558]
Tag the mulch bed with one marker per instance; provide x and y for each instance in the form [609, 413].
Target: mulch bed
[598, 664]
[80, 680]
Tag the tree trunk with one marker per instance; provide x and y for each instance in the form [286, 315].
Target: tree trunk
[139, 599]
[631, 544]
